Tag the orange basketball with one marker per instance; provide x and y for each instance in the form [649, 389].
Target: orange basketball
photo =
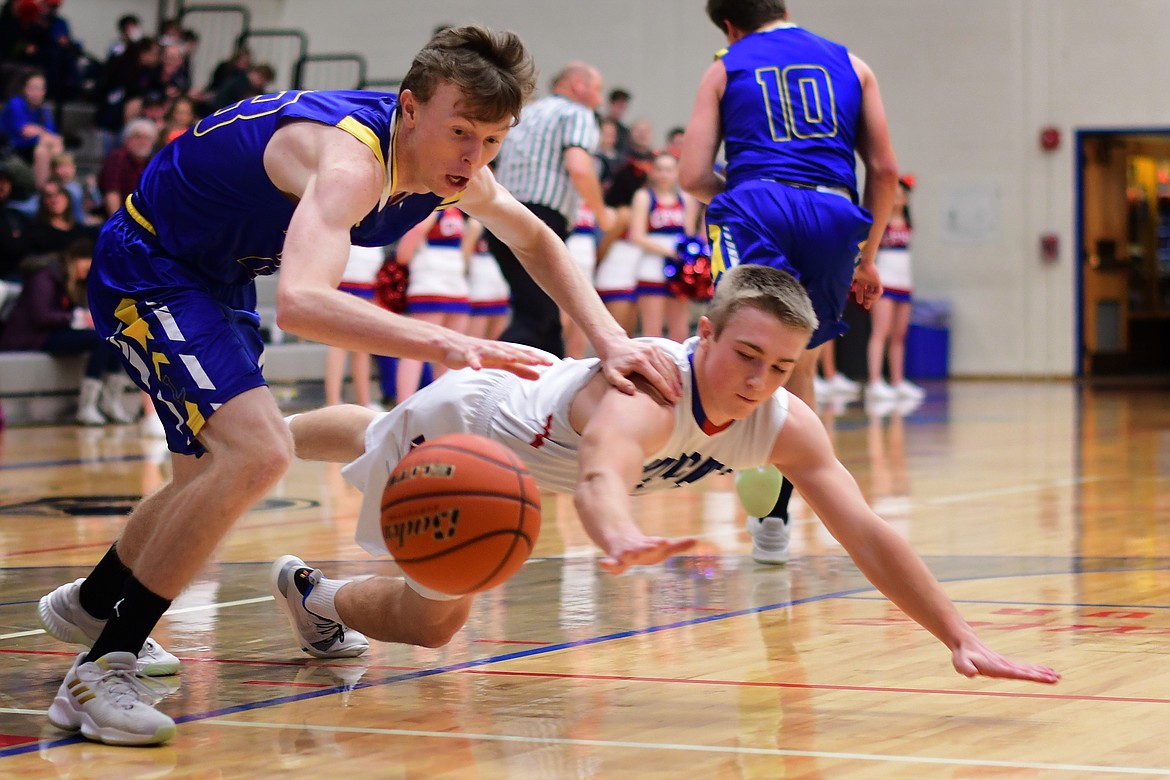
[460, 514]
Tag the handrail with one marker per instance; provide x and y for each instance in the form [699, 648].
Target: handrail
[299, 71]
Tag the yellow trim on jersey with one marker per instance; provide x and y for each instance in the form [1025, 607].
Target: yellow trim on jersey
[720, 54]
[718, 261]
[136, 215]
[451, 201]
[364, 134]
[135, 326]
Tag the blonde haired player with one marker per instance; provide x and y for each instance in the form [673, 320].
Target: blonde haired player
[576, 434]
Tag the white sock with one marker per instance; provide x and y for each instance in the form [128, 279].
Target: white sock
[322, 599]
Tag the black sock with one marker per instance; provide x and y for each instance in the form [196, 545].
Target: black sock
[132, 619]
[104, 584]
[781, 508]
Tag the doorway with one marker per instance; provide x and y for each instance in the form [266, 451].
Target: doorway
[1124, 260]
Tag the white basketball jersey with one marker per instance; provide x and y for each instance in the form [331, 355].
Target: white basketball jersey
[531, 417]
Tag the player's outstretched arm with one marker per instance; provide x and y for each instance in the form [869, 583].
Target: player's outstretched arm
[337, 181]
[803, 453]
[617, 433]
[547, 259]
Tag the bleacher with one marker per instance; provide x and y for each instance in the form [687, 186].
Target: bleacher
[38, 388]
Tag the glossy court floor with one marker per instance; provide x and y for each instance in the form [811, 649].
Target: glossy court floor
[1044, 507]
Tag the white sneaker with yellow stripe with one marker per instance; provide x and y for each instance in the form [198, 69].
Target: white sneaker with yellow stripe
[109, 701]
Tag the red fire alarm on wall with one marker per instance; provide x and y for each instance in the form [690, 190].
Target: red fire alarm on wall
[1050, 139]
[1049, 247]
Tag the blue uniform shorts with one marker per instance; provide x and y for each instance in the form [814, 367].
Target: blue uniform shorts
[813, 235]
[189, 342]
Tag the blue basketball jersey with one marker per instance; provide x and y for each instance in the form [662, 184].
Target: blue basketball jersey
[790, 110]
[210, 203]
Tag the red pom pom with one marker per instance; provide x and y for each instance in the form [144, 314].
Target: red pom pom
[688, 275]
[390, 286]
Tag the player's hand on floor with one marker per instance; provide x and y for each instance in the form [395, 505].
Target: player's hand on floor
[625, 357]
[476, 353]
[643, 551]
[974, 659]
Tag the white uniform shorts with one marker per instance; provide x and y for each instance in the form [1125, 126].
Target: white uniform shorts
[617, 273]
[894, 270]
[438, 280]
[487, 288]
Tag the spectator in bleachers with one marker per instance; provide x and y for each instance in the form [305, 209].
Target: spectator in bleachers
[13, 231]
[123, 167]
[127, 78]
[174, 78]
[85, 194]
[28, 123]
[55, 227]
[179, 118]
[129, 33]
[607, 157]
[236, 65]
[51, 303]
[615, 109]
[21, 34]
[60, 54]
[241, 87]
[674, 141]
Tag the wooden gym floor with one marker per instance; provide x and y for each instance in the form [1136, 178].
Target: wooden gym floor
[1044, 507]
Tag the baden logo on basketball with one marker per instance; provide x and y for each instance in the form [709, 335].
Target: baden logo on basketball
[441, 525]
[424, 470]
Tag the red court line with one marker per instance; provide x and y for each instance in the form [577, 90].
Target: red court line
[12, 740]
[813, 687]
[289, 684]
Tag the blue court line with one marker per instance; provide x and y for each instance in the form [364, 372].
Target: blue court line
[419, 674]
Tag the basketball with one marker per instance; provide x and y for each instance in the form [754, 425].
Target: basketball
[460, 514]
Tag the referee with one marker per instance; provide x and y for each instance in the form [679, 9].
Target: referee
[547, 164]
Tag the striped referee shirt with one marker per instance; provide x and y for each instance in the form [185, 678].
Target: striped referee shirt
[531, 162]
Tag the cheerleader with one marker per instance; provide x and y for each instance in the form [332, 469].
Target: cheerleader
[437, 291]
[659, 215]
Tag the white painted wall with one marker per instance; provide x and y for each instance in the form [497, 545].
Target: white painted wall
[967, 85]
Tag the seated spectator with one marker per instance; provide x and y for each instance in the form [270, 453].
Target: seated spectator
[51, 316]
[14, 227]
[85, 194]
[229, 69]
[179, 119]
[123, 167]
[129, 32]
[127, 79]
[254, 82]
[55, 227]
[28, 123]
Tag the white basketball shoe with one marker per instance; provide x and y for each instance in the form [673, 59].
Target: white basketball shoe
[292, 581]
[109, 701]
[770, 539]
[64, 619]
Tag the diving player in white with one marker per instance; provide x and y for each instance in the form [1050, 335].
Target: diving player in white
[577, 433]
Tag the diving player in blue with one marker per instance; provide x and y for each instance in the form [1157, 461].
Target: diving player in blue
[290, 181]
[791, 109]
